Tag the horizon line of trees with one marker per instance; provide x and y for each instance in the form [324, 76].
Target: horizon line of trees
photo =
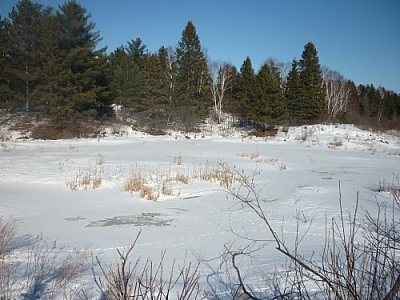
[50, 67]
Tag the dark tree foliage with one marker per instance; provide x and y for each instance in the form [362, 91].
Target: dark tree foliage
[137, 53]
[127, 70]
[246, 92]
[84, 83]
[352, 111]
[261, 95]
[271, 108]
[292, 92]
[25, 45]
[124, 78]
[51, 69]
[312, 93]
[305, 94]
[154, 93]
[378, 103]
[192, 79]
[5, 76]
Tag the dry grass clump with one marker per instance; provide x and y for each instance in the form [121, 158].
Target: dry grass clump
[137, 183]
[91, 178]
[148, 193]
[134, 183]
[182, 177]
[214, 173]
[86, 180]
[336, 143]
[154, 183]
[255, 156]
[167, 189]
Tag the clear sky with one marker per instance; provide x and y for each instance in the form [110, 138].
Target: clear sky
[358, 38]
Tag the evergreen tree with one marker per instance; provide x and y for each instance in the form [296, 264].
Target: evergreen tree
[124, 80]
[353, 111]
[392, 105]
[246, 92]
[5, 91]
[25, 37]
[154, 93]
[127, 68]
[84, 82]
[292, 92]
[50, 57]
[138, 51]
[137, 54]
[312, 93]
[191, 87]
[270, 104]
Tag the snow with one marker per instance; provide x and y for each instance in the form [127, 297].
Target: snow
[298, 173]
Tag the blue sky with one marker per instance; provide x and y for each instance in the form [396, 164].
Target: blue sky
[358, 38]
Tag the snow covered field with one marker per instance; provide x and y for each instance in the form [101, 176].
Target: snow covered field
[72, 191]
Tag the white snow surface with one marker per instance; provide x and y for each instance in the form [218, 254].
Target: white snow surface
[298, 173]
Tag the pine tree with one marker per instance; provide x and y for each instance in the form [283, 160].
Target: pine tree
[127, 68]
[154, 94]
[25, 37]
[5, 91]
[137, 54]
[50, 57]
[124, 83]
[191, 87]
[271, 108]
[292, 93]
[312, 93]
[246, 92]
[353, 111]
[84, 82]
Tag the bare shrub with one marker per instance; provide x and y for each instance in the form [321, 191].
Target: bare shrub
[127, 279]
[8, 231]
[42, 271]
[359, 260]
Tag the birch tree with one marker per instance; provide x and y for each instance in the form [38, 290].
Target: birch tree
[337, 93]
[221, 82]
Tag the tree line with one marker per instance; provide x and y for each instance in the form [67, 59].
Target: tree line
[52, 69]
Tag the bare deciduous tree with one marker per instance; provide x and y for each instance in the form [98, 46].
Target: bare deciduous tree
[337, 92]
[221, 81]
